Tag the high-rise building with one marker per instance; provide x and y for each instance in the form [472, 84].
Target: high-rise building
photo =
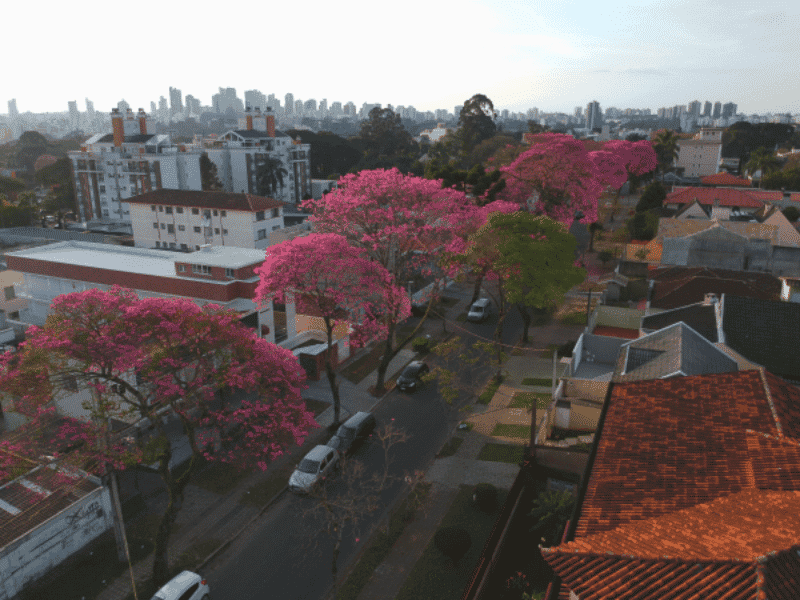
[336, 108]
[350, 109]
[227, 100]
[594, 115]
[123, 106]
[74, 115]
[694, 108]
[289, 99]
[193, 105]
[89, 108]
[255, 99]
[323, 107]
[153, 108]
[310, 107]
[175, 101]
[717, 110]
[12, 108]
[298, 107]
[728, 109]
[579, 112]
[707, 109]
[457, 110]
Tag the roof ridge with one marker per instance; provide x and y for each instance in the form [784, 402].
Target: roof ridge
[770, 401]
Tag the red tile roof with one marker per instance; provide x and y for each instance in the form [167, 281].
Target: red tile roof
[220, 200]
[619, 332]
[707, 196]
[694, 493]
[724, 179]
[677, 286]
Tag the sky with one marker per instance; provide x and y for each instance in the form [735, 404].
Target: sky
[426, 53]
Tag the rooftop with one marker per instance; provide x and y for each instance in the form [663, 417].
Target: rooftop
[725, 179]
[676, 286]
[700, 317]
[725, 196]
[197, 199]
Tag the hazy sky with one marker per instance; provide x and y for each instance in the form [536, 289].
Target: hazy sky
[427, 53]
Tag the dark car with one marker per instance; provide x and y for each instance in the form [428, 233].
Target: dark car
[353, 432]
[410, 378]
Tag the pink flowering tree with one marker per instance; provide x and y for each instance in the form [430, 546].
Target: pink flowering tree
[530, 258]
[330, 279]
[141, 358]
[401, 222]
[558, 175]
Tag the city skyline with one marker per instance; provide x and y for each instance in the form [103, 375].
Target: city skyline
[647, 56]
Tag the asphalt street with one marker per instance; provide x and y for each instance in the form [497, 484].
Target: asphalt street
[287, 554]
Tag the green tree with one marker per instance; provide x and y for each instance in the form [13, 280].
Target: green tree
[30, 146]
[642, 226]
[594, 229]
[208, 174]
[635, 137]
[331, 153]
[385, 143]
[481, 153]
[11, 186]
[792, 213]
[534, 127]
[269, 176]
[762, 160]
[61, 198]
[550, 512]
[665, 145]
[476, 122]
[787, 179]
[653, 196]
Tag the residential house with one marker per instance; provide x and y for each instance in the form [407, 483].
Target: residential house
[701, 317]
[724, 179]
[693, 491]
[186, 220]
[724, 199]
[615, 321]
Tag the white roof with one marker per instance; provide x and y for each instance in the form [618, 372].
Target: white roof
[139, 260]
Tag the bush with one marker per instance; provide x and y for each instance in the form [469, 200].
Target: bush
[606, 256]
[567, 348]
[453, 542]
[485, 497]
[792, 213]
[642, 226]
[653, 196]
[421, 344]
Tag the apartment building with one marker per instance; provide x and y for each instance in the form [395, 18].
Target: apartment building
[700, 156]
[187, 220]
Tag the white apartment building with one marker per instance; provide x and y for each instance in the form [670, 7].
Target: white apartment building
[701, 155]
[111, 168]
[187, 220]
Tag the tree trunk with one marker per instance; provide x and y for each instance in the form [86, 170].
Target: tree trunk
[498, 332]
[387, 358]
[477, 289]
[526, 321]
[337, 405]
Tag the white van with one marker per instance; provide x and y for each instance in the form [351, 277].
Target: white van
[480, 310]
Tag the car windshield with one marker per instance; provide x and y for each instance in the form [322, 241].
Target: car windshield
[308, 466]
[411, 371]
[346, 433]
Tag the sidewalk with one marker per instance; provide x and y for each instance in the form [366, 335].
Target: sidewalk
[206, 515]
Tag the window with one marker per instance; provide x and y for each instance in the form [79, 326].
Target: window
[207, 231]
[262, 234]
[168, 210]
[224, 232]
[172, 245]
[216, 230]
[184, 247]
[133, 178]
[229, 273]
[170, 228]
[215, 213]
[102, 189]
[181, 227]
[182, 268]
[197, 247]
[158, 244]
[14, 316]
[276, 227]
[222, 213]
[203, 269]
[190, 592]
[206, 214]
[179, 210]
[260, 215]
[274, 213]
[195, 211]
[163, 226]
[155, 225]
[9, 291]
[197, 230]
[160, 209]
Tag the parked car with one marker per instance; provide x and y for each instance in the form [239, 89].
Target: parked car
[353, 432]
[315, 466]
[410, 377]
[480, 310]
[184, 586]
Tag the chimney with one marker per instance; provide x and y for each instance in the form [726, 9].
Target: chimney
[270, 123]
[142, 122]
[249, 118]
[118, 127]
[710, 299]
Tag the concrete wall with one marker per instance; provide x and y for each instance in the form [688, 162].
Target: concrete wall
[31, 556]
[585, 388]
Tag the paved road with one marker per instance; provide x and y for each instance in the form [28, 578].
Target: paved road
[287, 554]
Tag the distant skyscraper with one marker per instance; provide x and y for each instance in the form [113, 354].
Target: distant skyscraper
[227, 100]
[175, 100]
[707, 109]
[289, 99]
[152, 108]
[694, 108]
[255, 99]
[336, 108]
[503, 114]
[594, 116]
[717, 110]
[89, 108]
[193, 104]
[457, 110]
[123, 106]
[728, 109]
[12, 109]
[579, 112]
[298, 107]
[74, 115]
[310, 106]
[323, 107]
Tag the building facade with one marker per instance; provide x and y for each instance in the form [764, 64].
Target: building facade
[700, 156]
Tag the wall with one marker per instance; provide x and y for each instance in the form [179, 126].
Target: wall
[28, 558]
[584, 415]
[585, 388]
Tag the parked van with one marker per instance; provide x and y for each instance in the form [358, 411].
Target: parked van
[353, 432]
[480, 310]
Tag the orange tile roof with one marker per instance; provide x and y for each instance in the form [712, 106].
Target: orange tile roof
[619, 332]
[724, 179]
[707, 196]
[694, 490]
[193, 198]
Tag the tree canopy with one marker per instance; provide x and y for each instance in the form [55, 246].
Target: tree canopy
[385, 143]
[208, 174]
[476, 122]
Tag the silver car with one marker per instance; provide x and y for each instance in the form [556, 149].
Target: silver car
[184, 586]
[315, 466]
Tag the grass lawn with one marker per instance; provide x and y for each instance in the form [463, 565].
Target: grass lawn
[434, 577]
[525, 400]
[380, 546]
[451, 447]
[541, 381]
[506, 453]
[219, 478]
[576, 318]
[512, 431]
[355, 372]
[489, 391]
